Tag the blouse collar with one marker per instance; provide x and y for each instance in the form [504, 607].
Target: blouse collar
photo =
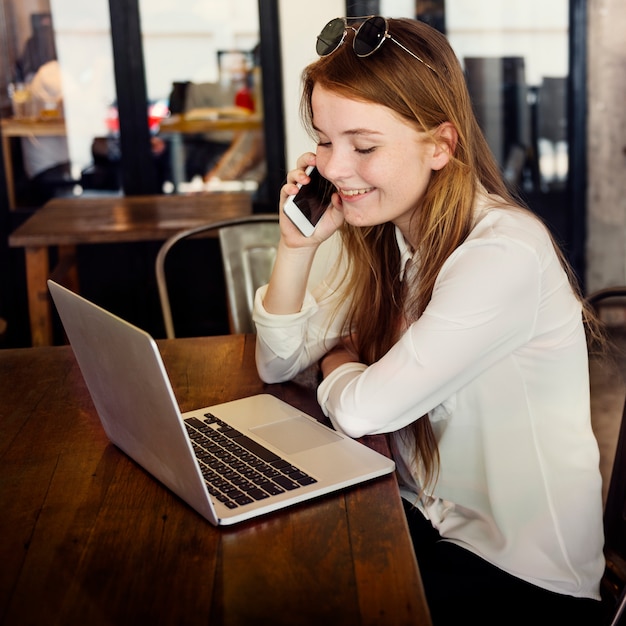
[484, 202]
[406, 254]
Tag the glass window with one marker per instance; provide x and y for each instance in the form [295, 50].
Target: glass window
[58, 87]
[202, 68]
[83, 41]
[517, 68]
[61, 129]
[516, 58]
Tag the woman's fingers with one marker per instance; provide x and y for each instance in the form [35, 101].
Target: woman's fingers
[298, 176]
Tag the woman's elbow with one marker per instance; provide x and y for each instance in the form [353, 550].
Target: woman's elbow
[270, 377]
[348, 427]
[273, 380]
[270, 374]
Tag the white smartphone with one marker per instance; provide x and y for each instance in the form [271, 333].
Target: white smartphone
[306, 207]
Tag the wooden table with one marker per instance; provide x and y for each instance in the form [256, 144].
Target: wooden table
[87, 537]
[188, 124]
[193, 124]
[68, 222]
[25, 127]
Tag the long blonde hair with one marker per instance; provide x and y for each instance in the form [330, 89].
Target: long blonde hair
[425, 98]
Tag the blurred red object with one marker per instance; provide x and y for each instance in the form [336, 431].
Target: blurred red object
[243, 98]
[112, 120]
[157, 111]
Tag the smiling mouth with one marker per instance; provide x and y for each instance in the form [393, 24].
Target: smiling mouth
[355, 192]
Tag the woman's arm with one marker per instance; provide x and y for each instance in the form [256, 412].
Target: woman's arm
[289, 343]
[484, 307]
[293, 312]
[295, 254]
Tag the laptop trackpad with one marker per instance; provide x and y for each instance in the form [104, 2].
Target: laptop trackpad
[296, 434]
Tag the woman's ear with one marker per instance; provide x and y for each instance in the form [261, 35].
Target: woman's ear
[445, 138]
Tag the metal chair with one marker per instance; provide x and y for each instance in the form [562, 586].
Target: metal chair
[620, 615]
[248, 249]
[614, 579]
[597, 297]
[613, 585]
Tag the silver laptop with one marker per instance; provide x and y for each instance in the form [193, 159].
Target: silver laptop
[230, 462]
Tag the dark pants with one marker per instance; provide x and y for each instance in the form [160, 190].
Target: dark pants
[463, 588]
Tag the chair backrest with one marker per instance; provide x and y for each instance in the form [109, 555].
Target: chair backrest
[614, 579]
[248, 254]
[248, 249]
[620, 615]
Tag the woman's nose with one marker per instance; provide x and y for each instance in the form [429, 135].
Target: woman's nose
[333, 166]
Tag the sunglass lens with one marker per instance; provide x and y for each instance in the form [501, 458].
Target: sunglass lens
[370, 36]
[330, 37]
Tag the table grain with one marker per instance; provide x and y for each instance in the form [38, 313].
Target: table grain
[88, 537]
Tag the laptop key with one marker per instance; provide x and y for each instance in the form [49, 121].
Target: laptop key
[257, 448]
[306, 480]
[297, 475]
[270, 472]
[286, 482]
[271, 488]
[258, 494]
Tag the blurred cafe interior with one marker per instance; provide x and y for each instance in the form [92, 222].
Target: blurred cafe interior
[98, 103]
[111, 99]
[126, 123]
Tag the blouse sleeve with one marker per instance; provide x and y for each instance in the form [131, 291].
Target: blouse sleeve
[288, 344]
[483, 307]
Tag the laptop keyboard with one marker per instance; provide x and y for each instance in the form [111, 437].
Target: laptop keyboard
[238, 470]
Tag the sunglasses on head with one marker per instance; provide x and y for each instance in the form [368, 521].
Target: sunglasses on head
[368, 37]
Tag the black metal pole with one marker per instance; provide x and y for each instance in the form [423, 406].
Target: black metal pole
[138, 168]
[577, 136]
[273, 110]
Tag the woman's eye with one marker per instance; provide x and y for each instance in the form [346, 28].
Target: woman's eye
[365, 150]
[323, 144]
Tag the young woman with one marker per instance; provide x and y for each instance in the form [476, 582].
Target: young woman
[448, 319]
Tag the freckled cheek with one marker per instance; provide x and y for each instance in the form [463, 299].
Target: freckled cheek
[325, 164]
[380, 173]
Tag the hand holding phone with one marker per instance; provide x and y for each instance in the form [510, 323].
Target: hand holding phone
[306, 207]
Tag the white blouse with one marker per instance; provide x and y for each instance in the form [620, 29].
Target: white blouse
[498, 361]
